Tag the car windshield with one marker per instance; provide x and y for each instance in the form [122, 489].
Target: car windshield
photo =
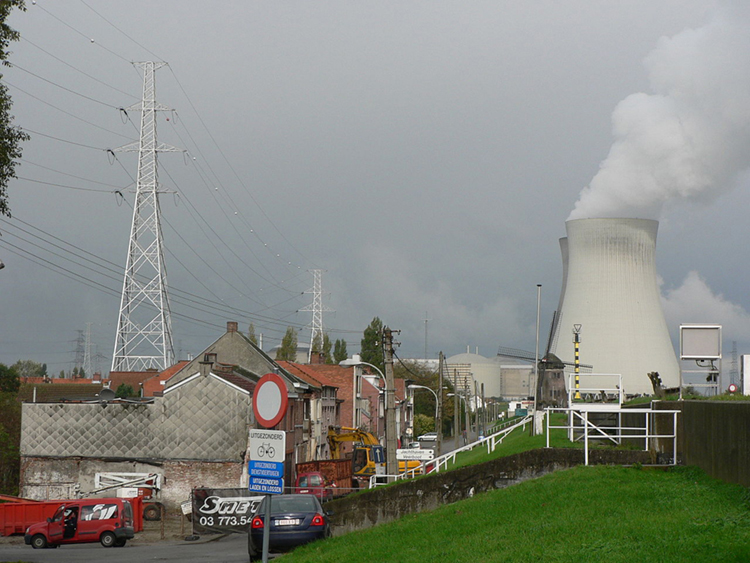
[284, 503]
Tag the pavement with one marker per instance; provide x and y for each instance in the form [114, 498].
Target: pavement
[175, 530]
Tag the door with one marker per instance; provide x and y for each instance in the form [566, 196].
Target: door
[55, 526]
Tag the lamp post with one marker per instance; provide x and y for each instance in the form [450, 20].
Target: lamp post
[437, 421]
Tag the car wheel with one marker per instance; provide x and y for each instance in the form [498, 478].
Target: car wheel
[39, 542]
[108, 539]
[121, 542]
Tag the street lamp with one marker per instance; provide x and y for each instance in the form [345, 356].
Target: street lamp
[437, 422]
[414, 386]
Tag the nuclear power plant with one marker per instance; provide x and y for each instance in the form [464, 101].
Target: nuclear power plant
[609, 288]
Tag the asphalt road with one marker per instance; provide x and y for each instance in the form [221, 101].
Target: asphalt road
[229, 549]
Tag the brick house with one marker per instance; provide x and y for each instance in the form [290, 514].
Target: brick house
[195, 434]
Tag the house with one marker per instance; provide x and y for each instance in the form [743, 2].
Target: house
[195, 434]
[324, 405]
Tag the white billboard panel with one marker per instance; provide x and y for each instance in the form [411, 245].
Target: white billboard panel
[700, 342]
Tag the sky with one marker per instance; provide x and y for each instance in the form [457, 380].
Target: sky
[424, 155]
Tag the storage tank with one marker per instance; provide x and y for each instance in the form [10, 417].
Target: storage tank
[610, 289]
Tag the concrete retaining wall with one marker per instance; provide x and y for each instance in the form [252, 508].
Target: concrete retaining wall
[385, 504]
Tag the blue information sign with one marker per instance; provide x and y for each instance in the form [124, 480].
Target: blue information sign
[266, 485]
[271, 469]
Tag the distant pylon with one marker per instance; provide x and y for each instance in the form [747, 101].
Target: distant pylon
[317, 308]
[80, 351]
[87, 369]
[144, 328]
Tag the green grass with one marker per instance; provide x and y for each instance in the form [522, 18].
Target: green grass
[601, 513]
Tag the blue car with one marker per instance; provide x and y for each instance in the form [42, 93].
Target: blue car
[295, 520]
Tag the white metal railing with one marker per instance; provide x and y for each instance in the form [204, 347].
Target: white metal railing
[442, 462]
[615, 434]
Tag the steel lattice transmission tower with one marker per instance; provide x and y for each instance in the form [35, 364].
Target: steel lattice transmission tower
[144, 328]
[317, 308]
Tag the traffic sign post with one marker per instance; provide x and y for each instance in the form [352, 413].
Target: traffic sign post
[265, 467]
[270, 400]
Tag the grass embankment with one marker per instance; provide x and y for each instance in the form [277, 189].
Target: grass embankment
[602, 513]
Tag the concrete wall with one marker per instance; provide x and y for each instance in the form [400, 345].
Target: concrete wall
[715, 436]
[386, 504]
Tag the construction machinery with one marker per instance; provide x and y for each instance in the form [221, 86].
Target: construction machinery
[368, 456]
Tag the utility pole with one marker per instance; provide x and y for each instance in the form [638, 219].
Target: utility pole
[144, 327]
[439, 421]
[391, 464]
[456, 411]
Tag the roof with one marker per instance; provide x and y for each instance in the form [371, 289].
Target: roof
[314, 374]
[155, 385]
[54, 392]
[132, 378]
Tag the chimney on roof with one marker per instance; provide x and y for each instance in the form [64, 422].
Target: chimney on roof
[317, 358]
[231, 326]
[207, 363]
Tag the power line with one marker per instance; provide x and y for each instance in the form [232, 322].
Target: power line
[24, 38]
[26, 129]
[91, 40]
[63, 87]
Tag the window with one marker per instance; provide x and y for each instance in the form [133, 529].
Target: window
[99, 512]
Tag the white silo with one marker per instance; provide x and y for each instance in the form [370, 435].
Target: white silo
[610, 289]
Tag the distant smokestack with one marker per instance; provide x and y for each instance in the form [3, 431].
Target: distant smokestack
[610, 290]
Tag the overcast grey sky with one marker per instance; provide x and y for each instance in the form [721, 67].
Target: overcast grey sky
[426, 155]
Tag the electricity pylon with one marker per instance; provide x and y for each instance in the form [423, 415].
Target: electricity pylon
[317, 308]
[144, 328]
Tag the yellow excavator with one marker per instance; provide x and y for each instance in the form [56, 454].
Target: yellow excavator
[368, 454]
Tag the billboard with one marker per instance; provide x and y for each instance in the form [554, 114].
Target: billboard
[223, 511]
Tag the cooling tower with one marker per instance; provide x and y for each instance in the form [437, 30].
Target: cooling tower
[610, 289]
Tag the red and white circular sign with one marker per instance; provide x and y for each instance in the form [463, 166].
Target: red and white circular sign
[733, 388]
[270, 400]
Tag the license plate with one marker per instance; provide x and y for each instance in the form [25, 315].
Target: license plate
[287, 522]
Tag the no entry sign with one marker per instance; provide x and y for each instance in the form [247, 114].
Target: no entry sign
[270, 400]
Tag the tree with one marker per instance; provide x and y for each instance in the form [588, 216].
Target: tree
[327, 348]
[339, 350]
[124, 391]
[251, 334]
[10, 430]
[372, 347]
[288, 349]
[10, 381]
[10, 443]
[29, 368]
[11, 136]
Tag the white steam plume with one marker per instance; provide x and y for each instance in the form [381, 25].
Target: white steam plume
[690, 137]
[695, 302]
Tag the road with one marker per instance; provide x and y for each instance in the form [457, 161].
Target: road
[229, 549]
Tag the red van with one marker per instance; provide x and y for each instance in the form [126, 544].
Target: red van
[314, 483]
[105, 520]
